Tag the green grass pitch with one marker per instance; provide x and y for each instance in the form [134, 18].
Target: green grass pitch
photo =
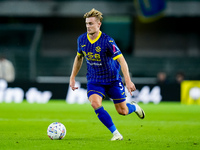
[167, 126]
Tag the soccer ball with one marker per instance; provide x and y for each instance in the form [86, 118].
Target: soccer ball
[56, 131]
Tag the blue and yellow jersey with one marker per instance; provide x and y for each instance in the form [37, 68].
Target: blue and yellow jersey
[100, 55]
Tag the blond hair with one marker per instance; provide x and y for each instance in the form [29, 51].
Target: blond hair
[94, 13]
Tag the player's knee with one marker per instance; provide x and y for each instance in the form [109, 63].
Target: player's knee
[95, 104]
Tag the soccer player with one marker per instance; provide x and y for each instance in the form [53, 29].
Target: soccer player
[104, 60]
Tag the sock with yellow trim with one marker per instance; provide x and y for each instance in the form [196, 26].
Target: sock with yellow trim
[105, 118]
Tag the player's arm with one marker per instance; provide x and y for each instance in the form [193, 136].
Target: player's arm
[125, 70]
[76, 67]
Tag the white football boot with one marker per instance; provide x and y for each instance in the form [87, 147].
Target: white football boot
[117, 137]
[138, 110]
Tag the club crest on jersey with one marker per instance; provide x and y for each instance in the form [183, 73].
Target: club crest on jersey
[98, 49]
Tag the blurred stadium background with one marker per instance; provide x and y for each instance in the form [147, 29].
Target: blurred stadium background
[39, 37]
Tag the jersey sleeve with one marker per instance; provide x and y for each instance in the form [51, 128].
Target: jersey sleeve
[79, 49]
[114, 49]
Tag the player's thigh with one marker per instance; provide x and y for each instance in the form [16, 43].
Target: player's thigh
[96, 93]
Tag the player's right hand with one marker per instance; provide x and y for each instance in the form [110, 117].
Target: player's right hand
[72, 84]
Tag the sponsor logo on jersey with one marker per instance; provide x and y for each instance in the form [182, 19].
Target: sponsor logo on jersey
[83, 45]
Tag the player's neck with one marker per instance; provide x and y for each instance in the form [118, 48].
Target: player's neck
[94, 35]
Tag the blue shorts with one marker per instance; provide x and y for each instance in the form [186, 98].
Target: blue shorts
[115, 90]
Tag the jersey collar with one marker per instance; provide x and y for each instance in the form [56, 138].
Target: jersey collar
[93, 41]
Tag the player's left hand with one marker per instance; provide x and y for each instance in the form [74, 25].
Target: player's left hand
[131, 87]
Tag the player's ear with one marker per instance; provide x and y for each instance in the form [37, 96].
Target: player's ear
[99, 24]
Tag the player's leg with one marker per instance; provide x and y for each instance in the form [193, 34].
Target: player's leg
[104, 116]
[96, 101]
[96, 94]
[117, 93]
[124, 108]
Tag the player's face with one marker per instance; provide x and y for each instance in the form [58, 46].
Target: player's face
[92, 25]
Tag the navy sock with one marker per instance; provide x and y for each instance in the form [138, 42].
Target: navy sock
[131, 108]
[105, 118]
